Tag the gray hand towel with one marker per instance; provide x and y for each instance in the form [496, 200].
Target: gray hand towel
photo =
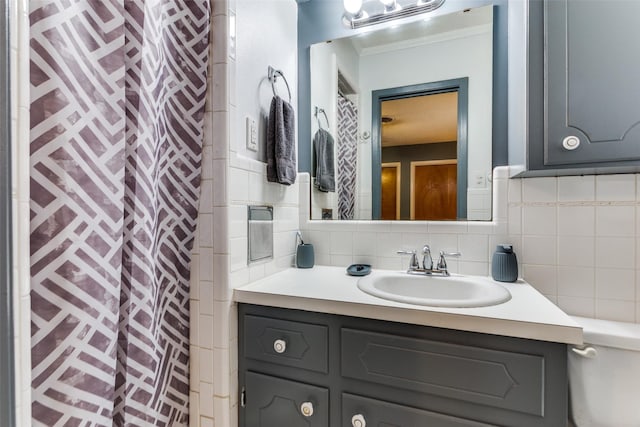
[324, 171]
[281, 143]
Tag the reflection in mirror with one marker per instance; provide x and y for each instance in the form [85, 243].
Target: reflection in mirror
[419, 157]
[433, 161]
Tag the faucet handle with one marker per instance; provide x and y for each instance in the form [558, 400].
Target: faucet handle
[427, 261]
[442, 262]
[413, 263]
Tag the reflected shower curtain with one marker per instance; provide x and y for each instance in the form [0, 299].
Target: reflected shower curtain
[347, 157]
[117, 107]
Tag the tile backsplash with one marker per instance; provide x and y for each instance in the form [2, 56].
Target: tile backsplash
[577, 240]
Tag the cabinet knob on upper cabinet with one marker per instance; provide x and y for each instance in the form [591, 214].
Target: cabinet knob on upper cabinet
[307, 409]
[280, 346]
[358, 421]
[571, 142]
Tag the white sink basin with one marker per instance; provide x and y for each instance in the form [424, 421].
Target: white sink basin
[437, 291]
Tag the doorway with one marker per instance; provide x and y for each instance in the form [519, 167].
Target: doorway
[422, 123]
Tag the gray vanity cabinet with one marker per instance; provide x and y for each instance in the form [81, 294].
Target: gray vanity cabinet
[584, 90]
[313, 369]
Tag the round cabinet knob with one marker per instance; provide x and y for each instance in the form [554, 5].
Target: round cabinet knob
[307, 409]
[358, 421]
[571, 142]
[280, 346]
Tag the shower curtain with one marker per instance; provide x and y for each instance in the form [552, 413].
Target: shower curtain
[117, 107]
[347, 156]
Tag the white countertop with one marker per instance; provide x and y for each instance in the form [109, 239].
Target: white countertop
[331, 290]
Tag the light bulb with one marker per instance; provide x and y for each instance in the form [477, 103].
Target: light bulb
[388, 3]
[352, 6]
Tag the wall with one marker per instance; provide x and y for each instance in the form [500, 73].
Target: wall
[19, 43]
[577, 240]
[233, 177]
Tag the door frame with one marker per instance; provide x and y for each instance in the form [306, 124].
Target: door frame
[460, 85]
[412, 201]
[398, 167]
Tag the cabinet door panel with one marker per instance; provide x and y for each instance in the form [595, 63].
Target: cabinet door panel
[592, 68]
[272, 401]
[304, 345]
[488, 377]
[377, 413]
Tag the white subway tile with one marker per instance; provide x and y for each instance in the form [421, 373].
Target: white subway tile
[577, 306]
[205, 335]
[206, 196]
[341, 260]
[364, 243]
[615, 284]
[621, 311]
[239, 183]
[341, 243]
[576, 281]
[415, 241]
[615, 220]
[615, 188]
[221, 372]
[205, 362]
[205, 230]
[515, 191]
[515, 220]
[222, 410]
[576, 220]
[542, 277]
[206, 264]
[206, 297]
[387, 244]
[194, 409]
[237, 221]
[539, 250]
[206, 422]
[576, 251]
[576, 188]
[238, 253]
[206, 399]
[473, 268]
[539, 220]
[615, 252]
[220, 182]
[539, 190]
[473, 247]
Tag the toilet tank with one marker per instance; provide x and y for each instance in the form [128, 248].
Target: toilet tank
[604, 384]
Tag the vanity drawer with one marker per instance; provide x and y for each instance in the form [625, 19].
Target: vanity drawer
[481, 376]
[272, 401]
[288, 343]
[358, 411]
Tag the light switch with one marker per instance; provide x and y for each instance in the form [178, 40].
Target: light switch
[252, 134]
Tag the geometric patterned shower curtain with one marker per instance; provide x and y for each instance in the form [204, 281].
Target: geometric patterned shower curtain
[117, 107]
[347, 157]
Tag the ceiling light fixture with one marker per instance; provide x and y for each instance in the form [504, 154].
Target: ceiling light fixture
[360, 13]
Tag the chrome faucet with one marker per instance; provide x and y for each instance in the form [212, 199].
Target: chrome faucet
[427, 262]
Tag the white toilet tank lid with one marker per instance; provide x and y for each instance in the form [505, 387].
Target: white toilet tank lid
[609, 333]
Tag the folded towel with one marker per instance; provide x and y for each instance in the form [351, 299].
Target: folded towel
[281, 143]
[324, 171]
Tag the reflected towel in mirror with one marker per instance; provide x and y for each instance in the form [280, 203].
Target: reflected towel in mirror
[323, 168]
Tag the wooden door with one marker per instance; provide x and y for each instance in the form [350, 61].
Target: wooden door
[390, 192]
[434, 191]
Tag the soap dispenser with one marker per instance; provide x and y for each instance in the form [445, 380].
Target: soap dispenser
[504, 264]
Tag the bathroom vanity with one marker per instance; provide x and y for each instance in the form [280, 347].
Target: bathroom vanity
[351, 359]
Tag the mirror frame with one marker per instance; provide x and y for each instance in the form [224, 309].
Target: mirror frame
[460, 85]
[7, 367]
[321, 20]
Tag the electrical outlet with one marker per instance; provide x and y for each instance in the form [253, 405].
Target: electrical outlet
[252, 134]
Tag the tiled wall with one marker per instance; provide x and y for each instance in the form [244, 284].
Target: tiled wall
[232, 179]
[577, 240]
[19, 43]
[580, 239]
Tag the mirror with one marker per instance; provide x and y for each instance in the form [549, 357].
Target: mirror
[401, 124]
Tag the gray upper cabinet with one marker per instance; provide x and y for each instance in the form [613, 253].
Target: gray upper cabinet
[583, 87]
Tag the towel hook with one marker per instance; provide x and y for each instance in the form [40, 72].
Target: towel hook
[273, 76]
[319, 111]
